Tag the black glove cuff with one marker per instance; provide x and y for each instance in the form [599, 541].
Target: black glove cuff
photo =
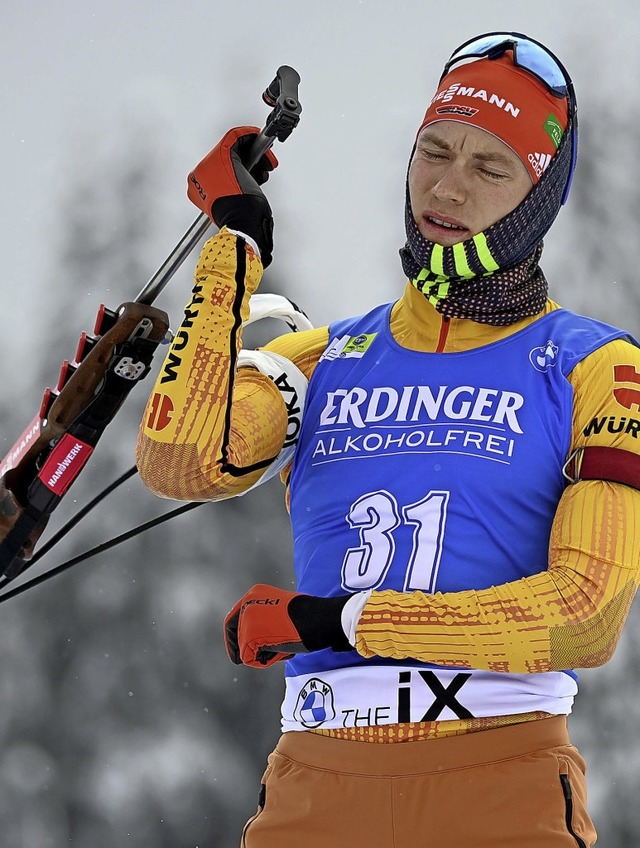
[251, 214]
[318, 621]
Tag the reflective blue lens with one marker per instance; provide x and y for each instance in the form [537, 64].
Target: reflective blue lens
[527, 54]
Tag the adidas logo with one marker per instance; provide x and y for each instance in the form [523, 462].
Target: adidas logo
[539, 162]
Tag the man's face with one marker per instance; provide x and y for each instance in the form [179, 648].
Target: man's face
[461, 180]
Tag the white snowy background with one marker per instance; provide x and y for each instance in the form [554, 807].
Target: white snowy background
[121, 721]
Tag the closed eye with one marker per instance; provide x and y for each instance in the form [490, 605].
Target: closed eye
[432, 155]
[493, 175]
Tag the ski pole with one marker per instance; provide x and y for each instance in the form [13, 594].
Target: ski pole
[48, 456]
[282, 95]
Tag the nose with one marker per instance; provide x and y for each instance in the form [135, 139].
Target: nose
[451, 185]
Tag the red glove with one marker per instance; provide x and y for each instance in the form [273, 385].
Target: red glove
[222, 187]
[269, 624]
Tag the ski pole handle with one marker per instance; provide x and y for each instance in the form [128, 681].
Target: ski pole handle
[282, 95]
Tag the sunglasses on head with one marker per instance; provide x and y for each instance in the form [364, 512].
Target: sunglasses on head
[534, 58]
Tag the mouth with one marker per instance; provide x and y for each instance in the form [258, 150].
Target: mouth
[442, 223]
[447, 227]
[442, 229]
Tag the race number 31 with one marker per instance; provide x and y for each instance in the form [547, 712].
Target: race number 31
[376, 516]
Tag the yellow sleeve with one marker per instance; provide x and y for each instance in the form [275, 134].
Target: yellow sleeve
[572, 614]
[606, 409]
[206, 433]
[209, 430]
[569, 616]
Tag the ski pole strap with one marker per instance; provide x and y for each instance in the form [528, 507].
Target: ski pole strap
[267, 305]
[603, 463]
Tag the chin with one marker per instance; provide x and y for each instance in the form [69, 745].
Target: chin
[446, 242]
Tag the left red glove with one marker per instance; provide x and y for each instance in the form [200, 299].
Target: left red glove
[270, 624]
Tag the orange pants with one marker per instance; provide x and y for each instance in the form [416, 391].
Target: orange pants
[519, 786]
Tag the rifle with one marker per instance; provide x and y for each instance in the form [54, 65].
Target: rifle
[54, 448]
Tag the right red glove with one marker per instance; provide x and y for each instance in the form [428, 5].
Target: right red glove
[270, 624]
[222, 187]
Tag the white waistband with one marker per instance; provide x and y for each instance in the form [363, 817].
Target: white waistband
[374, 695]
